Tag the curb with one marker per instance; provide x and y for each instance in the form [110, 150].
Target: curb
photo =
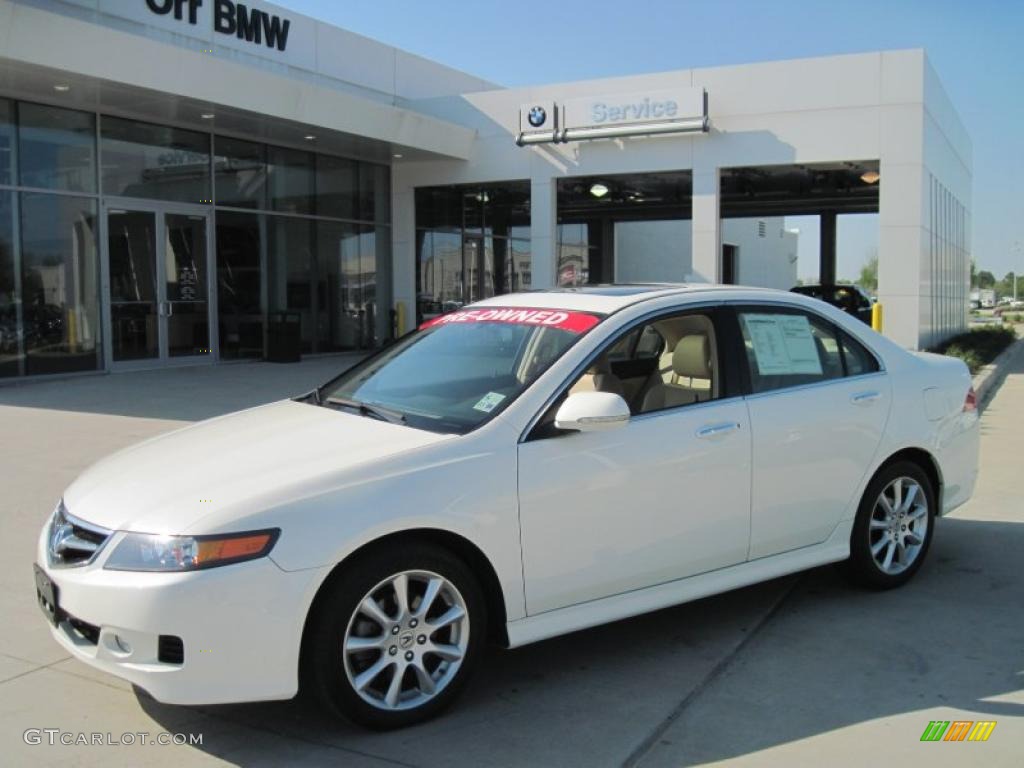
[988, 379]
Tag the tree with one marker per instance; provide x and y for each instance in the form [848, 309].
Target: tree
[868, 279]
[1005, 286]
[984, 279]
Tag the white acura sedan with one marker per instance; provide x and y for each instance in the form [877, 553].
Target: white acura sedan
[517, 469]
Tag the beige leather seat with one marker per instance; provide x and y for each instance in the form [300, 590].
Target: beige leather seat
[691, 361]
[599, 378]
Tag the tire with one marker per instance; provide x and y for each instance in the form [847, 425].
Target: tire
[354, 650]
[901, 539]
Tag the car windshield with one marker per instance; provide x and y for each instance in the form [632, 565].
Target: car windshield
[459, 369]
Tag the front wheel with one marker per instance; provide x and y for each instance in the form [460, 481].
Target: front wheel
[396, 636]
[894, 527]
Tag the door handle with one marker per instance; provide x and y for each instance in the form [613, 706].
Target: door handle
[717, 430]
[865, 398]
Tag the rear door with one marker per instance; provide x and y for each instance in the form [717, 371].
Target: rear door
[818, 402]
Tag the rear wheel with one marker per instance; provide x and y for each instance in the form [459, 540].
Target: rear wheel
[396, 636]
[894, 527]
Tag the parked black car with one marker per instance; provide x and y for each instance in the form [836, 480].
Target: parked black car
[849, 298]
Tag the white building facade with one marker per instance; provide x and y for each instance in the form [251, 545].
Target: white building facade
[181, 179]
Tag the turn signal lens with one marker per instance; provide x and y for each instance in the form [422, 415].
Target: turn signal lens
[241, 547]
[154, 552]
[971, 401]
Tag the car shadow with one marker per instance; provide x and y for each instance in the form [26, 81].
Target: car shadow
[831, 656]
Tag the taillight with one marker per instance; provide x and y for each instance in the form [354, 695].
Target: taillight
[971, 401]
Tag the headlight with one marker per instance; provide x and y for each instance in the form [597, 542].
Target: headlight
[154, 552]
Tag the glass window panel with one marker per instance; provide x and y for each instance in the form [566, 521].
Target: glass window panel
[520, 266]
[789, 348]
[239, 305]
[439, 271]
[858, 359]
[131, 248]
[439, 208]
[188, 327]
[240, 171]
[473, 210]
[6, 140]
[290, 271]
[155, 161]
[374, 192]
[375, 281]
[56, 148]
[60, 283]
[341, 321]
[9, 333]
[290, 174]
[336, 187]
[573, 264]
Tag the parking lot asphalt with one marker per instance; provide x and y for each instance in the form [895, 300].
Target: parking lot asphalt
[799, 671]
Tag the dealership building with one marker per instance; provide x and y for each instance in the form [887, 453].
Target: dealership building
[176, 174]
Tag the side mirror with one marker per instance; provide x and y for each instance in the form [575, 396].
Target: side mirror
[592, 412]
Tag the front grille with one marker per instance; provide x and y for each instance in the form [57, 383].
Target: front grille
[170, 649]
[72, 541]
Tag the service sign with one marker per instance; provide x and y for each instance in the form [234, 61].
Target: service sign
[629, 108]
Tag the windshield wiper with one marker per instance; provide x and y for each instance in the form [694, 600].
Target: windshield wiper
[369, 409]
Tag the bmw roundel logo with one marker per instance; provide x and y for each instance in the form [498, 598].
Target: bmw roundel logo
[537, 116]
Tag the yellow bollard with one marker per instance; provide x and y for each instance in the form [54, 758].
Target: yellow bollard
[400, 317]
[71, 334]
[876, 316]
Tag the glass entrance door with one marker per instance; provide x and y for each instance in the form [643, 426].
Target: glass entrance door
[478, 268]
[159, 287]
[186, 286]
[135, 310]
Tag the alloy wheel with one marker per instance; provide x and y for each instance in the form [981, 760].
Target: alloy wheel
[406, 640]
[898, 526]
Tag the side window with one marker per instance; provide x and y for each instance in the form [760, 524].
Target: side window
[858, 359]
[788, 348]
[671, 361]
[623, 348]
[651, 344]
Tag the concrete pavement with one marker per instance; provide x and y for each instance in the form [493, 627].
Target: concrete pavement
[803, 670]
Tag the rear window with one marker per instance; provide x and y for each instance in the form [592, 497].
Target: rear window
[460, 369]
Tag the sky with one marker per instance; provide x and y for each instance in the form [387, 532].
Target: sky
[974, 45]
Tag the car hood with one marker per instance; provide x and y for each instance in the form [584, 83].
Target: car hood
[243, 460]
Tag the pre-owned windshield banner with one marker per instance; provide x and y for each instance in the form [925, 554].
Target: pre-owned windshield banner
[574, 322]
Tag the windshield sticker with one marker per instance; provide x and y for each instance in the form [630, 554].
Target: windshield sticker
[783, 344]
[575, 322]
[489, 402]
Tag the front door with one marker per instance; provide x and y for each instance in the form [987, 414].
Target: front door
[664, 497]
[158, 273]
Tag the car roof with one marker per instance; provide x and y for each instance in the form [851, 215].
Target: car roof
[609, 298]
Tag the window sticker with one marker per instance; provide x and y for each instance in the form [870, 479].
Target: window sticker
[783, 344]
[489, 402]
[575, 322]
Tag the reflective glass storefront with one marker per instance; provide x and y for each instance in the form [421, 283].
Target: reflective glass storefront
[472, 242]
[127, 243]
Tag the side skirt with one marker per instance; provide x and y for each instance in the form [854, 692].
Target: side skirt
[607, 609]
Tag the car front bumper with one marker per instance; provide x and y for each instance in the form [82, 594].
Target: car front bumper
[240, 626]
